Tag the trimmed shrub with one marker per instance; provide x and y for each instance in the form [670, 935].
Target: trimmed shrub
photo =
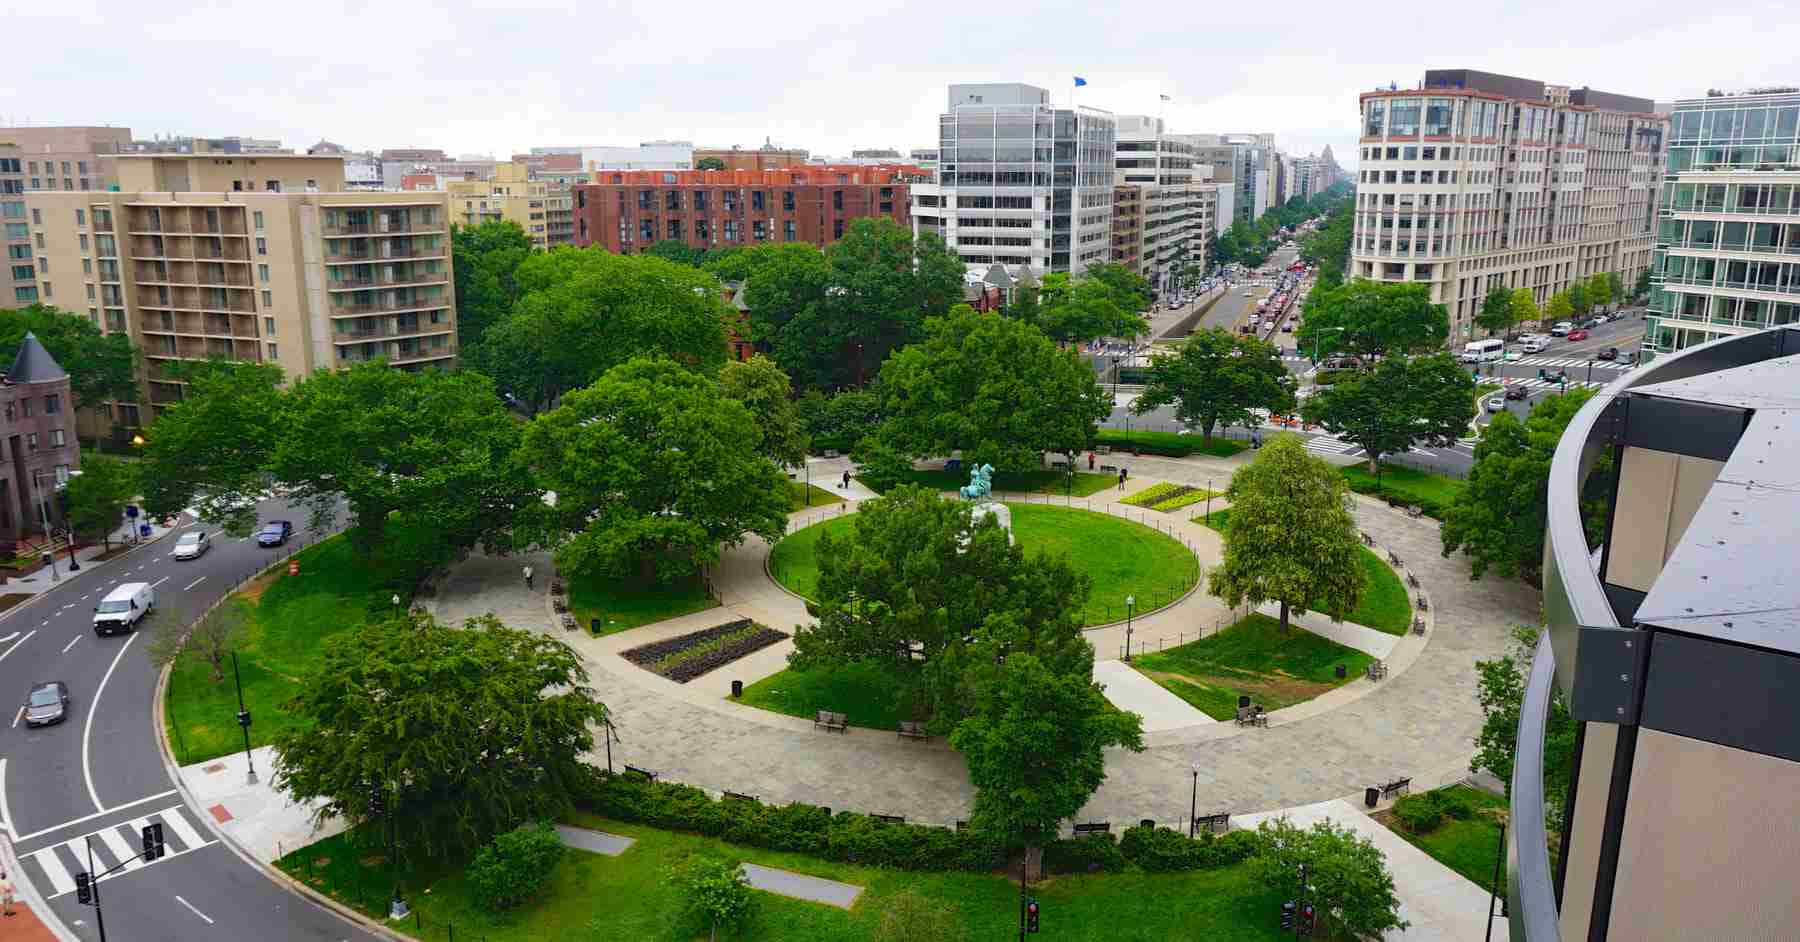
[1419, 813]
[1091, 853]
[1161, 850]
[1452, 804]
[517, 864]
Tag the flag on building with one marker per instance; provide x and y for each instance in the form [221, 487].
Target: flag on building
[1079, 81]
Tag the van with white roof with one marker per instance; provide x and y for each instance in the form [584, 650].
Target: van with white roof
[123, 607]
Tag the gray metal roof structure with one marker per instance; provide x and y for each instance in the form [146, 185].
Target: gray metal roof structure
[34, 364]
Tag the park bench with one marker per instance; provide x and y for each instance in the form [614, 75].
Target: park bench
[1399, 786]
[1412, 580]
[556, 587]
[910, 729]
[1394, 558]
[1366, 538]
[561, 604]
[1060, 465]
[1110, 468]
[830, 720]
[1415, 511]
[1094, 827]
[1252, 715]
[648, 775]
[889, 818]
[569, 623]
[962, 825]
[735, 796]
[1377, 670]
[1213, 823]
[1424, 605]
[1418, 625]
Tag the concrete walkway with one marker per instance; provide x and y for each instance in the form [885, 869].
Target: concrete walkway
[1441, 904]
[263, 821]
[1129, 690]
[594, 842]
[1349, 634]
[801, 886]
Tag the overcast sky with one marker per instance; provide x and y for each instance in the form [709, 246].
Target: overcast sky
[501, 76]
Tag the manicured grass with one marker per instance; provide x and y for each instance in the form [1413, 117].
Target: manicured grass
[620, 604]
[865, 693]
[819, 496]
[290, 617]
[1170, 443]
[1035, 482]
[591, 898]
[1121, 557]
[1254, 658]
[1467, 847]
[1433, 492]
[1385, 606]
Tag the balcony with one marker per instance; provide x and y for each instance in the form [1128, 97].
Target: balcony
[368, 281]
[347, 229]
[353, 309]
[417, 249]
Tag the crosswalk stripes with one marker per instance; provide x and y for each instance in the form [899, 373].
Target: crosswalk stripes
[1570, 362]
[1545, 383]
[59, 863]
[1327, 445]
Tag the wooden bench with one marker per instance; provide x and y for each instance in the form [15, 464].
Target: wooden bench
[559, 603]
[1424, 606]
[830, 720]
[735, 796]
[569, 623]
[962, 825]
[1395, 559]
[911, 730]
[1377, 670]
[556, 588]
[1412, 580]
[889, 818]
[1399, 786]
[1060, 465]
[1110, 468]
[1252, 715]
[1415, 511]
[1366, 538]
[1418, 625]
[1213, 823]
[648, 775]
[1094, 827]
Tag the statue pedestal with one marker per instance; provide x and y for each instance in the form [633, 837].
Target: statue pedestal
[1000, 512]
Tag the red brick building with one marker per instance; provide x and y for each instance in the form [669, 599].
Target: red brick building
[628, 211]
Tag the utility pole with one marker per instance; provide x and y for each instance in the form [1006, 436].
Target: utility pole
[243, 718]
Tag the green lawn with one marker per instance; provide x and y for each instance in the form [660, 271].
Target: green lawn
[1433, 492]
[1036, 482]
[591, 898]
[290, 618]
[1385, 606]
[622, 604]
[1467, 847]
[1123, 558]
[819, 496]
[1170, 443]
[865, 693]
[1253, 658]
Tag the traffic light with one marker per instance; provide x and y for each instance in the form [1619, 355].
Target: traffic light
[377, 803]
[154, 848]
[1031, 916]
[1308, 920]
[1287, 915]
[84, 888]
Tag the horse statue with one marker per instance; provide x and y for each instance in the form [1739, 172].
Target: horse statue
[979, 486]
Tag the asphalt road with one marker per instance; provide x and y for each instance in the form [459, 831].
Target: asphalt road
[100, 772]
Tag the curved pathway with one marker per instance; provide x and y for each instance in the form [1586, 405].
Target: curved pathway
[1420, 722]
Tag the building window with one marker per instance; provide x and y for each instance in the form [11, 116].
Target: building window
[48, 291]
[37, 217]
[31, 438]
[675, 229]
[269, 324]
[39, 238]
[837, 199]
[757, 201]
[128, 415]
[672, 200]
[274, 352]
[268, 298]
[731, 230]
[262, 246]
[56, 441]
[25, 295]
[647, 229]
[787, 230]
[787, 200]
[699, 201]
[262, 273]
[257, 220]
[81, 217]
[759, 230]
[837, 228]
[702, 230]
[643, 199]
[52, 404]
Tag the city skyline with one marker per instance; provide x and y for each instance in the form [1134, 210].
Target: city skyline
[483, 82]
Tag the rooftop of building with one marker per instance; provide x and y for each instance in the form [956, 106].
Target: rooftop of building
[34, 364]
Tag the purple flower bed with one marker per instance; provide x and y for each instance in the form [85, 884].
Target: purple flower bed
[666, 657]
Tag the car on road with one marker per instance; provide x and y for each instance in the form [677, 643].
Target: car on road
[192, 545]
[1496, 403]
[1516, 393]
[1610, 353]
[274, 533]
[47, 703]
[1601, 319]
[1561, 329]
[123, 607]
[1534, 345]
[1578, 334]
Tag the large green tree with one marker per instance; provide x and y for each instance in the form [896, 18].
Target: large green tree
[764, 389]
[98, 495]
[1347, 880]
[584, 311]
[463, 733]
[884, 284]
[1373, 318]
[1496, 314]
[653, 467]
[215, 444]
[674, 250]
[1291, 538]
[487, 259]
[1086, 309]
[1131, 289]
[100, 366]
[1559, 307]
[1500, 690]
[1402, 402]
[994, 387]
[1216, 377]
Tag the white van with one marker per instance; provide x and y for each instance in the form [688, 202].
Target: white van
[1482, 351]
[123, 606]
[1535, 345]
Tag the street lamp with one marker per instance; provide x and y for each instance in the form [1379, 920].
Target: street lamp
[43, 503]
[1115, 363]
[243, 718]
[1316, 333]
[1590, 378]
[1194, 802]
[1130, 600]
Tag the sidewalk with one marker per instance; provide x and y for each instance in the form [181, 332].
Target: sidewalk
[263, 821]
[87, 557]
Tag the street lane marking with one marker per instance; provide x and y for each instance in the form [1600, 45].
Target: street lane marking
[189, 586]
[18, 716]
[5, 808]
[89, 817]
[178, 823]
[159, 582]
[87, 728]
[16, 644]
[196, 912]
[15, 635]
[51, 863]
[121, 851]
[71, 643]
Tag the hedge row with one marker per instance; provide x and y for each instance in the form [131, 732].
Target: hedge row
[1423, 813]
[1400, 495]
[1157, 850]
[1169, 444]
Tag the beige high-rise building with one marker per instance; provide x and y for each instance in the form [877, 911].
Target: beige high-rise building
[1479, 181]
[35, 159]
[544, 209]
[252, 258]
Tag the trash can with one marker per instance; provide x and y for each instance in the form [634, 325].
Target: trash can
[594, 623]
[737, 689]
[1243, 701]
[1342, 672]
[1371, 796]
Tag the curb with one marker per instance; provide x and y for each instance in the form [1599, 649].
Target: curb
[76, 575]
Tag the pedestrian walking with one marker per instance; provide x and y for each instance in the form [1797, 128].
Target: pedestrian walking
[1121, 477]
[6, 893]
[528, 576]
[846, 484]
[1090, 461]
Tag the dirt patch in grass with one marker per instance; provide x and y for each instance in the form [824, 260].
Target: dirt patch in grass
[1278, 686]
[257, 586]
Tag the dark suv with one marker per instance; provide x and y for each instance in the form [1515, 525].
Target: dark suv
[274, 533]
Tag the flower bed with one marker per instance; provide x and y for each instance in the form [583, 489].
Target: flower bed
[1152, 494]
[1167, 496]
[685, 657]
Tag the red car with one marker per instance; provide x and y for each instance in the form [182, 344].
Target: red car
[1578, 334]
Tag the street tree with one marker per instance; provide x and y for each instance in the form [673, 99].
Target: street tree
[1131, 289]
[1347, 879]
[1600, 289]
[653, 467]
[1498, 518]
[1216, 377]
[715, 895]
[487, 259]
[1524, 306]
[1376, 318]
[710, 163]
[211, 639]
[1559, 307]
[1615, 287]
[462, 733]
[1496, 314]
[1402, 402]
[676, 251]
[764, 389]
[1641, 289]
[884, 285]
[994, 387]
[1036, 745]
[1291, 538]
[98, 495]
[1087, 309]
[1500, 690]
[100, 366]
[213, 447]
[1580, 296]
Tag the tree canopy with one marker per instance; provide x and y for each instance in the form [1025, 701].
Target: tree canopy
[462, 732]
[1347, 879]
[1402, 402]
[487, 259]
[1559, 307]
[101, 367]
[1496, 314]
[653, 467]
[763, 389]
[1291, 538]
[994, 387]
[1525, 307]
[1088, 308]
[1216, 377]
[215, 444]
[98, 495]
[1372, 318]
[1500, 685]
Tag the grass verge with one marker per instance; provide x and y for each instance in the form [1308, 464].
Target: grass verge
[1468, 846]
[866, 693]
[1385, 606]
[622, 604]
[810, 495]
[1034, 482]
[1251, 658]
[1431, 492]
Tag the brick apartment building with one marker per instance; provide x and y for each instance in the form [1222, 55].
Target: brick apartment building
[628, 211]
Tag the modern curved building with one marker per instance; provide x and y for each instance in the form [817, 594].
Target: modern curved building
[1675, 638]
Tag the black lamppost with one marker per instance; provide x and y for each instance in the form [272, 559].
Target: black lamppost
[1590, 378]
[243, 717]
[1194, 802]
[1130, 600]
[1115, 363]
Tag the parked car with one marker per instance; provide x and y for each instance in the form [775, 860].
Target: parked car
[1578, 334]
[1561, 329]
[1496, 403]
[1516, 393]
[47, 703]
[123, 607]
[1534, 346]
[192, 545]
[274, 533]
[1610, 353]
[1602, 318]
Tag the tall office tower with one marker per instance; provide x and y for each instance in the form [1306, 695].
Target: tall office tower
[1727, 255]
[262, 259]
[1020, 181]
[1478, 181]
[1161, 168]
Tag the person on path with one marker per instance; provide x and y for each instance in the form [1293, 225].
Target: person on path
[1090, 461]
[1121, 476]
[6, 893]
[846, 484]
[527, 576]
